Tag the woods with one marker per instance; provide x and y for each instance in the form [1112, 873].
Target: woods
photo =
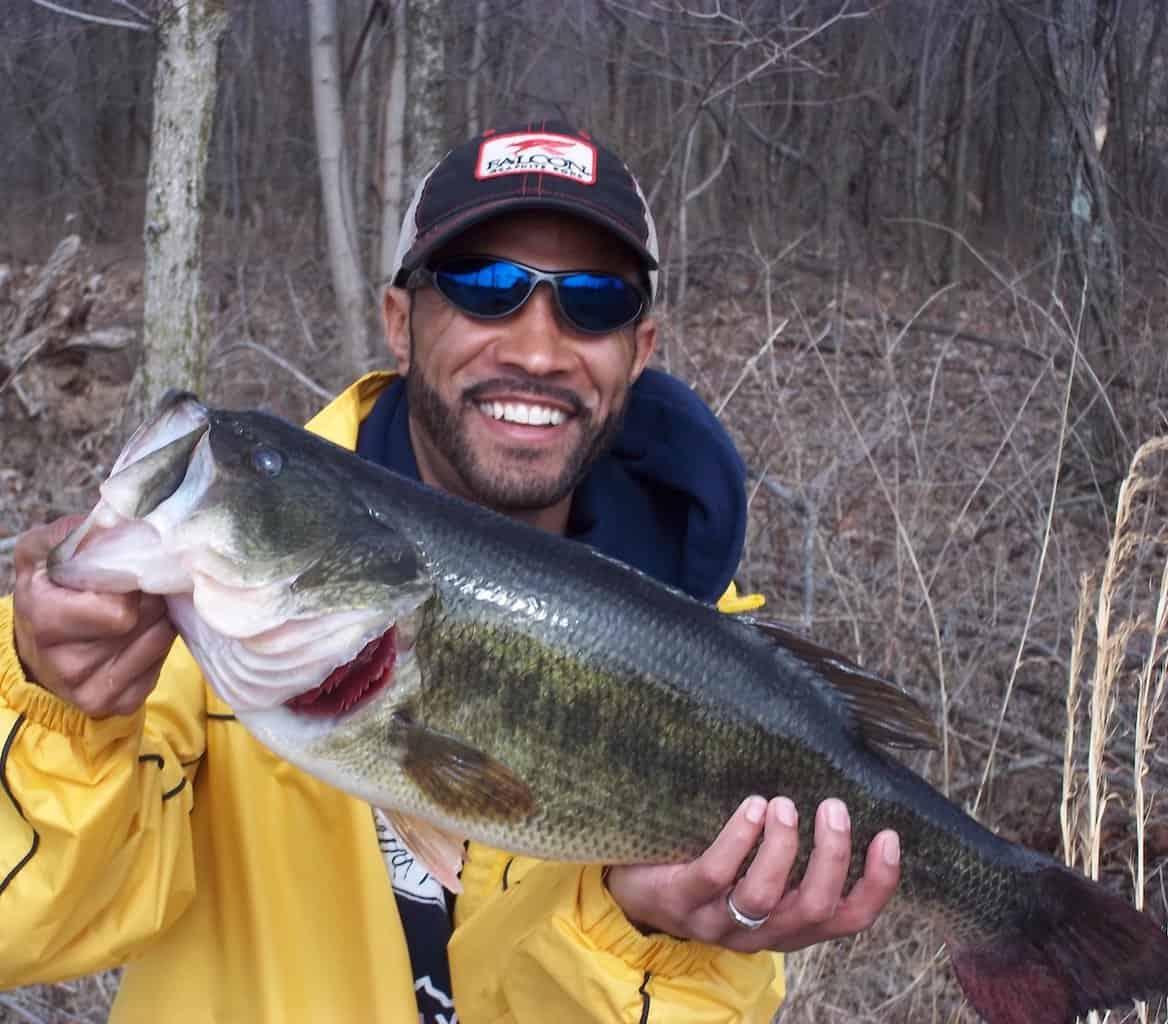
[913, 254]
[930, 129]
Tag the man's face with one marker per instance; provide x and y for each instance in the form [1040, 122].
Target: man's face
[512, 412]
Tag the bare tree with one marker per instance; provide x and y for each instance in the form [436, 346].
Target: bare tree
[474, 79]
[336, 188]
[426, 88]
[393, 133]
[175, 336]
[1082, 243]
[959, 174]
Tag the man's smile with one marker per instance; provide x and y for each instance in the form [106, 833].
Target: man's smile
[528, 413]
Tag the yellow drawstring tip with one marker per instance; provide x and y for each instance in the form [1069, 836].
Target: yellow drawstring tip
[732, 603]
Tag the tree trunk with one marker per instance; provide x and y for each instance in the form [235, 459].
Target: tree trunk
[365, 134]
[174, 331]
[336, 185]
[959, 189]
[920, 149]
[425, 88]
[478, 71]
[1079, 41]
[393, 161]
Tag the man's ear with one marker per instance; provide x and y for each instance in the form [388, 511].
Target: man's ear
[644, 345]
[395, 321]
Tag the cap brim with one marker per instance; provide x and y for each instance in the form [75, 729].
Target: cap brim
[449, 229]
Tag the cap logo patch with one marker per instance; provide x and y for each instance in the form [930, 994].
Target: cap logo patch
[537, 153]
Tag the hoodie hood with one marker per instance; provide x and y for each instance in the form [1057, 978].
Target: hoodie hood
[668, 499]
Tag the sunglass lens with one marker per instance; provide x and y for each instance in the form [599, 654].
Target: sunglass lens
[598, 303]
[487, 288]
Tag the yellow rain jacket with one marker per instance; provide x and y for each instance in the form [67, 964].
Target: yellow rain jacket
[238, 888]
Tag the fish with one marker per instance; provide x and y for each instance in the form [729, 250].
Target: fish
[478, 678]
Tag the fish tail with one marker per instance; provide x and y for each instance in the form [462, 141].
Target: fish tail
[1073, 947]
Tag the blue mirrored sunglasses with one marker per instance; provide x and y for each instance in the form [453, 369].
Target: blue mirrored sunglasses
[490, 288]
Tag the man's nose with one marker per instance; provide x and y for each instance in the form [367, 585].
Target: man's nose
[533, 337]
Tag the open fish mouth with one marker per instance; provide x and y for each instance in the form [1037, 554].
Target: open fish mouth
[354, 684]
[290, 620]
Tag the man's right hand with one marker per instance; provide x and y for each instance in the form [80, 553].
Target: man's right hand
[100, 652]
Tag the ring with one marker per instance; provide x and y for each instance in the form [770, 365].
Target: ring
[745, 920]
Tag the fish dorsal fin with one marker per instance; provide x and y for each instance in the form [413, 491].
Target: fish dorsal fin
[881, 712]
[440, 851]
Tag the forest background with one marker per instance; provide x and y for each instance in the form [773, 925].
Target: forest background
[914, 255]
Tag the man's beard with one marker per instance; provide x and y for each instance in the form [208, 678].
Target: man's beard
[508, 487]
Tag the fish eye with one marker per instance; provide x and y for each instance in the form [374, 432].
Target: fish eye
[267, 461]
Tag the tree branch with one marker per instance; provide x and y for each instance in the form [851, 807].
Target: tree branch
[95, 18]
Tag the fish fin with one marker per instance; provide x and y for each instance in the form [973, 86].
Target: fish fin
[379, 555]
[881, 711]
[462, 780]
[1077, 947]
[440, 852]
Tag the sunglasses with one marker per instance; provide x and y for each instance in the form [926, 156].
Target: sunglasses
[491, 288]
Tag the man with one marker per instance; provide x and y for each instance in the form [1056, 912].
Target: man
[140, 822]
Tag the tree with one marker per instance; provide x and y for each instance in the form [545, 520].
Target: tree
[344, 247]
[174, 335]
[425, 88]
[393, 134]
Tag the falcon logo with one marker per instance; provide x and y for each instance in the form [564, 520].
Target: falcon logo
[549, 145]
[537, 153]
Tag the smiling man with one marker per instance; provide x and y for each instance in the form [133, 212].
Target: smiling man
[512, 410]
[139, 821]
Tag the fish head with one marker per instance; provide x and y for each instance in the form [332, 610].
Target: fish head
[288, 584]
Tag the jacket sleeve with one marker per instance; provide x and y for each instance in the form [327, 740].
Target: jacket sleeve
[537, 940]
[95, 837]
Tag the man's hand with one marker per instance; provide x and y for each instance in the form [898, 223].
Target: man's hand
[100, 652]
[689, 900]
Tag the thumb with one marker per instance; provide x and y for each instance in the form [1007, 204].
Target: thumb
[34, 545]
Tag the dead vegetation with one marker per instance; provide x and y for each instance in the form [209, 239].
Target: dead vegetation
[919, 498]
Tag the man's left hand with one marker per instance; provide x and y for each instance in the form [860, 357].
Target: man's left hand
[690, 900]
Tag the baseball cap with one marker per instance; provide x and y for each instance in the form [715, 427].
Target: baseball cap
[536, 165]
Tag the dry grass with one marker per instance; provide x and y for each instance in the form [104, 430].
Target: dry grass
[1102, 794]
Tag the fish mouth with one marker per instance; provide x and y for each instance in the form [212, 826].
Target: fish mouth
[353, 684]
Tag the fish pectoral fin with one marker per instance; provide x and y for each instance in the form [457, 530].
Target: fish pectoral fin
[463, 781]
[880, 711]
[441, 852]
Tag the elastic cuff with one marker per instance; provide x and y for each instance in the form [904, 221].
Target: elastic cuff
[605, 924]
[38, 705]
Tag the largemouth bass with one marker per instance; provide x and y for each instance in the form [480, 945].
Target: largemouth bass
[477, 678]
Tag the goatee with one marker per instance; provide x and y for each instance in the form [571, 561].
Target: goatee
[514, 485]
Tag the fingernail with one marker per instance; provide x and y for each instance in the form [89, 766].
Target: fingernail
[837, 815]
[755, 809]
[891, 849]
[785, 812]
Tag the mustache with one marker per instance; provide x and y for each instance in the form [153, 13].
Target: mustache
[527, 385]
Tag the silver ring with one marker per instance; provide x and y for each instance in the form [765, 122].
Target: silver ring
[744, 920]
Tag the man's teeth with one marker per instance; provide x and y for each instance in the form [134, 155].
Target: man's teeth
[521, 412]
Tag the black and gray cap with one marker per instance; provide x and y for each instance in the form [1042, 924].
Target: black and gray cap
[538, 165]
